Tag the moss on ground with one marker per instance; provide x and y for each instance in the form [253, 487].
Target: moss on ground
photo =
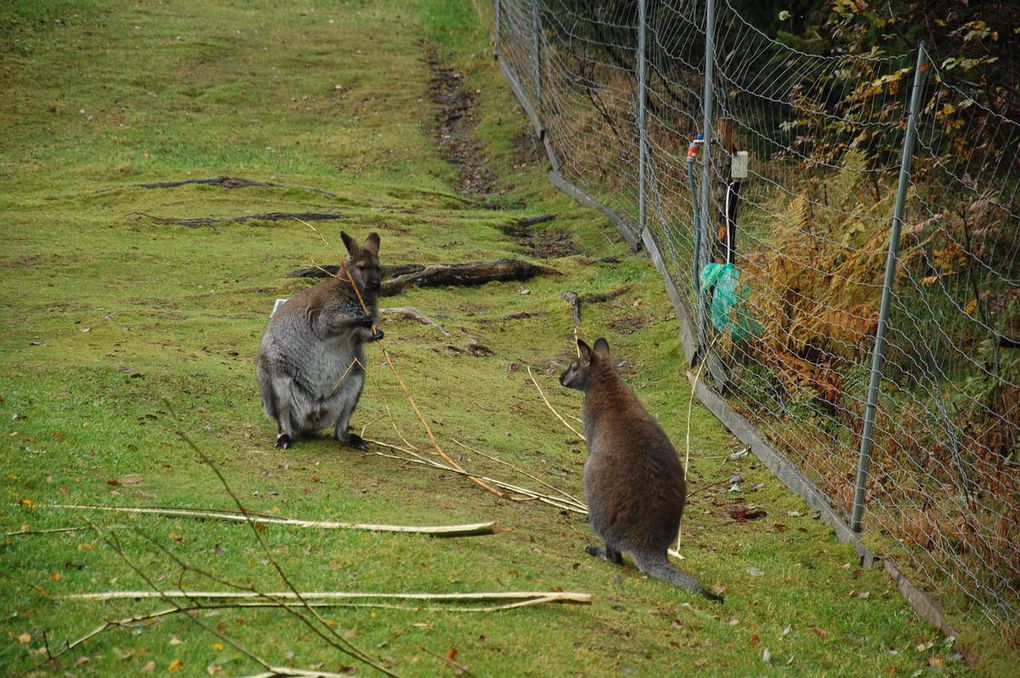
[121, 331]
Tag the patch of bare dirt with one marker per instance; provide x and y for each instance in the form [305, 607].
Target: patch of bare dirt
[542, 243]
[629, 324]
[457, 121]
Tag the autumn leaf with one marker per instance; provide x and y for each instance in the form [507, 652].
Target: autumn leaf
[25, 638]
[175, 666]
[452, 654]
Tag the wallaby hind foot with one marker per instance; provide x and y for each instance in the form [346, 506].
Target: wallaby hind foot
[609, 553]
[355, 441]
[283, 442]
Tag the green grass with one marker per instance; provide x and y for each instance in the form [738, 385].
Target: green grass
[114, 326]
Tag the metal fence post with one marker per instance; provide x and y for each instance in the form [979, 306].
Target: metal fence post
[641, 118]
[701, 256]
[536, 38]
[495, 41]
[890, 276]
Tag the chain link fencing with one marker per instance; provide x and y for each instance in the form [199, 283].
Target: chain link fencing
[844, 252]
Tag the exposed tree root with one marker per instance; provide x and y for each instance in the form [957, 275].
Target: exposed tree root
[441, 275]
[397, 278]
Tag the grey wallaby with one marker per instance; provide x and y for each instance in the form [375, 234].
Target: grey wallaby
[633, 481]
[311, 363]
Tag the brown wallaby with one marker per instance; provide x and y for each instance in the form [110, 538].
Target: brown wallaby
[311, 364]
[633, 481]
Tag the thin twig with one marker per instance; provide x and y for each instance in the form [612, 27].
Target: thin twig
[474, 529]
[414, 314]
[521, 471]
[531, 494]
[339, 642]
[549, 405]
[114, 542]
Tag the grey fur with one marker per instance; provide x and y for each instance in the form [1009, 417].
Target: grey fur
[311, 362]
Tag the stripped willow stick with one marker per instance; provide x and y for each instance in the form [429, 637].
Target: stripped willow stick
[473, 529]
[549, 405]
[570, 597]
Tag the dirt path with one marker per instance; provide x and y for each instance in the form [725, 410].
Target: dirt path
[457, 121]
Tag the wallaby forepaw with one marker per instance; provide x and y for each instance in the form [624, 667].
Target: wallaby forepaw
[283, 442]
[357, 442]
[377, 335]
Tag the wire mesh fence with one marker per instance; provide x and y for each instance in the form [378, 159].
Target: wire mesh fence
[777, 235]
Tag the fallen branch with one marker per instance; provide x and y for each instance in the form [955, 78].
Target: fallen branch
[440, 275]
[576, 300]
[412, 313]
[397, 278]
[234, 182]
[268, 216]
[474, 529]
[526, 222]
[333, 270]
[569, 597]
[605, 296]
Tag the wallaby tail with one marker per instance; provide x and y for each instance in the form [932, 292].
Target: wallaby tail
[266, 388]
[656, 565]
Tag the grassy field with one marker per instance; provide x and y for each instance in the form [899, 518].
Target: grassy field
[122, 332]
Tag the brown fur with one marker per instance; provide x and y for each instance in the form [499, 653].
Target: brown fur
[633, 481]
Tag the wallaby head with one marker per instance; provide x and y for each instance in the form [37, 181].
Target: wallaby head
[580, 369]
[363, 262]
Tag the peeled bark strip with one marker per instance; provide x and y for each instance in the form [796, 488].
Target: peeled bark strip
[470, 530]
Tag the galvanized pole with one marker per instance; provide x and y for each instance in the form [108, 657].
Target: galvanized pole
[706, 170]
[495, 41]
[641, 116]
[536, 48]
[890, 276]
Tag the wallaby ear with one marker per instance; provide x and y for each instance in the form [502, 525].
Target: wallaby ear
[602, 348]
[585, 350]
[352, 247]
[372, 243]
